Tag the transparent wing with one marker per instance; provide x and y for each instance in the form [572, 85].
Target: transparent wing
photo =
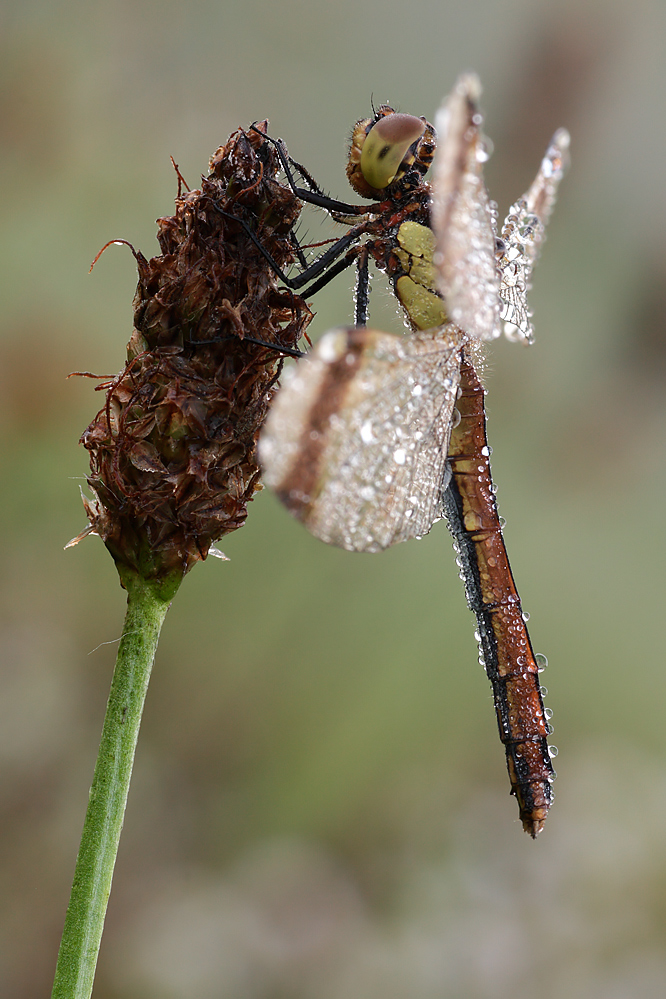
[522, 235]
[356, 442]
[461, 217]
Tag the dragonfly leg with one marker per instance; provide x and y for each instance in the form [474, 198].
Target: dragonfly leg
[316, 268]
[313, 195]
[293, 239]
[337, 268]
[362, 291]
[278, 348]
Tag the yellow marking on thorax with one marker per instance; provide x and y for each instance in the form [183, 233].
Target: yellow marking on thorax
[416, 288]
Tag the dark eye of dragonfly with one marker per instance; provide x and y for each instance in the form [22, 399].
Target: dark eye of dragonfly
[389, 154]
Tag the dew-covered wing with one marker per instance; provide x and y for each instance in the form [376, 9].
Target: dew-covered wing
[522, 235]
[461, 217]
[356, 441]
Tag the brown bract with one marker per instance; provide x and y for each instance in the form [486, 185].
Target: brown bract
[173, 450]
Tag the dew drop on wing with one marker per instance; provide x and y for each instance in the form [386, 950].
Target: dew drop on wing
[541, 661]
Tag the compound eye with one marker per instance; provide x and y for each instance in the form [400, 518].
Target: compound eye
[385, 146]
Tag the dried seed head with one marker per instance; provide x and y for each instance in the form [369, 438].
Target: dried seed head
[173, 450]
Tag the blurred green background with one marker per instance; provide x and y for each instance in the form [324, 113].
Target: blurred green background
[320, 806]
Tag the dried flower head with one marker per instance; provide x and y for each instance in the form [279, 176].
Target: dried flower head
[173, 451]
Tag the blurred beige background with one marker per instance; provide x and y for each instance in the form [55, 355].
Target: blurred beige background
[320, 807]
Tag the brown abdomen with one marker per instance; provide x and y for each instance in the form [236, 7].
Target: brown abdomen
[471, 511]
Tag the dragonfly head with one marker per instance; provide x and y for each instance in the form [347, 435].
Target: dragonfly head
[389, 153]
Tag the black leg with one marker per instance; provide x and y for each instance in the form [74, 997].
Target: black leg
[314, 197]
[289, 351]
[293, 239]
[315, 268]
[332, 272]
[362, 292]
[307, 177]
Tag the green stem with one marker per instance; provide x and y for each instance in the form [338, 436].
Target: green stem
[147, 604]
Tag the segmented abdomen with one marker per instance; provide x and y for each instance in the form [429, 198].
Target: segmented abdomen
[471, 511]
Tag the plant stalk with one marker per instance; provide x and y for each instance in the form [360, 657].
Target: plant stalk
[147, 604]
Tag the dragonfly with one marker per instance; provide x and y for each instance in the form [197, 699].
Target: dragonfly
[374, 437]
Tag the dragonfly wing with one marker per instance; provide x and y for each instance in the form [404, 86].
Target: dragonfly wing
[522, 236]
[541, 196]
[461, 217]
[356, 441]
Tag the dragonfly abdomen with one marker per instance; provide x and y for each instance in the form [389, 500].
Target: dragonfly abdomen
[506, 649]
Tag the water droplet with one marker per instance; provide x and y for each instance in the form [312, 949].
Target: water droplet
[526, 616]
[366, 432]
[541, 661]
[552, 752]
[216, 553]
[548, 713]
[417, 390]
[400, 456]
